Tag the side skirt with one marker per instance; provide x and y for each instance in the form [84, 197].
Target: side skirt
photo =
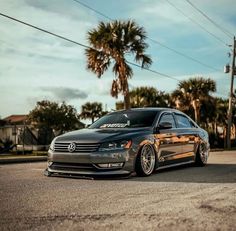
[175, 165]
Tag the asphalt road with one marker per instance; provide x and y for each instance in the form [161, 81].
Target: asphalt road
[184, 198]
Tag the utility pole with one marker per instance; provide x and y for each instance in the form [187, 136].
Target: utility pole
[228, 137]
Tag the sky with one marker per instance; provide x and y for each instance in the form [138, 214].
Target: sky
[36, 66]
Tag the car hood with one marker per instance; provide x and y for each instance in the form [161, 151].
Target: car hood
[101, 135]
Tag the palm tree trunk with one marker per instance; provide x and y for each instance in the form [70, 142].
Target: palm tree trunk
[196, 115]
[127, 96]
[127, 101]
[196, 107]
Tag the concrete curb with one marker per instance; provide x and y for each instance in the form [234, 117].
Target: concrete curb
[22, 159]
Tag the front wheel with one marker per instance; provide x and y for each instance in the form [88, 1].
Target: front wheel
[201, 155]
[146, 161]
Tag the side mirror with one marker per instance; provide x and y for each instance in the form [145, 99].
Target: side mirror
[164, 125]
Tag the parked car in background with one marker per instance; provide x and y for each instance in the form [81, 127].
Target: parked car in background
[138, 140]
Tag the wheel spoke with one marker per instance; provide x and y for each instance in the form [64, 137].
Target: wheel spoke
[147, 159]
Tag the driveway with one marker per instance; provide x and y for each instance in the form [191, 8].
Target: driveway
[183, 198]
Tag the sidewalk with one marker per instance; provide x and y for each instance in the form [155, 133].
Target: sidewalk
[10, 159]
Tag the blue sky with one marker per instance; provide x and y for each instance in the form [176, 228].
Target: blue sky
[36, 66]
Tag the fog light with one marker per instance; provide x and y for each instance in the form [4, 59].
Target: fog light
[110, 165]
[116, 165]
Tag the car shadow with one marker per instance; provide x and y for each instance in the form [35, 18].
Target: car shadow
[211, 173]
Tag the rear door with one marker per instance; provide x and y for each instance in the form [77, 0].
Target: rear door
[187, 131]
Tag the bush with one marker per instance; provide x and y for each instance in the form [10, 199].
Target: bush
[6, 145]
[215, 140]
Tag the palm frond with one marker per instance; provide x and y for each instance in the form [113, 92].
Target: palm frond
[115, 88]
[97, 61]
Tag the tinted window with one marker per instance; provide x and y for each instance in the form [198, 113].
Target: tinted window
[126, 119]
[192, 124]
[168, 118]
[183, 121]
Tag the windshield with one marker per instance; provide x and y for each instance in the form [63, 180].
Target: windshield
[126, 119]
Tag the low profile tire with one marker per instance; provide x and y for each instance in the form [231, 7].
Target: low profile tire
[201, 155]
[146, 161]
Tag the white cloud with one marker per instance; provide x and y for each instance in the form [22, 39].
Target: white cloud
[31, 60]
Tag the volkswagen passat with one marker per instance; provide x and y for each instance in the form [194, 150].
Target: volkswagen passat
[136, 140]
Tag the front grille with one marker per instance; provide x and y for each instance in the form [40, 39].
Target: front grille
[71, 166]
[80, 148]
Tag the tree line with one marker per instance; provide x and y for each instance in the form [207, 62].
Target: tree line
[193, 97]
[112, 44]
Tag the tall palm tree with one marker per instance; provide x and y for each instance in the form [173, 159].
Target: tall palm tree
[111, 43]
[191, 93]
[91, 111]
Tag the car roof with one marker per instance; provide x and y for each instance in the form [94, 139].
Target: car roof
[157, 109]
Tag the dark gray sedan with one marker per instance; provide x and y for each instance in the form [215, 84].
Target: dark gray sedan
[136, 140]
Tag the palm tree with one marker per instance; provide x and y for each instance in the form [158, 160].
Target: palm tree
[191, 93]
[110, 44]
[91, 111]
[148, 97]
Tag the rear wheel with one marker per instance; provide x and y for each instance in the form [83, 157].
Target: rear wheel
[201, 155]
[146, 161]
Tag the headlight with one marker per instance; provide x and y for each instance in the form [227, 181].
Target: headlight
[116, 145]
[50, 163]
[51, 147]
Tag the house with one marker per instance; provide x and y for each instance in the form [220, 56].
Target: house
[18, 131]
[15, 129]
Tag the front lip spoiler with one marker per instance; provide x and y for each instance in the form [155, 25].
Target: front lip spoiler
[49, 172]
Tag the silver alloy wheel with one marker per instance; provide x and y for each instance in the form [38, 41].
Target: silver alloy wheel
[147, 159]
[203, 152]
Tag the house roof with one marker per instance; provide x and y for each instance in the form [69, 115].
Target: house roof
[16, 119]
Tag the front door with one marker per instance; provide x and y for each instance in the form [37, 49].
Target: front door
[167, 141]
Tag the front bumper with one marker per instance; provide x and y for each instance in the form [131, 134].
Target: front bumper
[88, 163]
[88, 173]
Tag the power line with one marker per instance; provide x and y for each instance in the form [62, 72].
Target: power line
[153, 71]
[80, 44]
[195, 22]
[155, 41]
[229, 34]
[87, 6]
[85, 46]
[184, 55]
[43, 30]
